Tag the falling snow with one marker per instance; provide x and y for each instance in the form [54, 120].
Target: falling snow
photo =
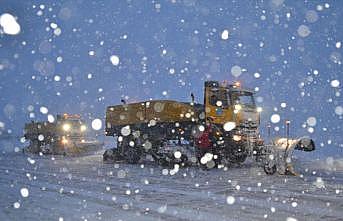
[311, 121]
[79, 57]
[228, 126]
[230, 200]
[9, 24]
[114, 60]
[236, 71]
[275, 118]
[24, 192]
[225, 35]
[335, 83]
[96, 124]
[303, 31]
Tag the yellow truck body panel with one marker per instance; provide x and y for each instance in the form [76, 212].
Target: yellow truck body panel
[143, 112]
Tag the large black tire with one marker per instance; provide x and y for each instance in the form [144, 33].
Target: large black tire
[112, 155]
[237, 153]
[164, 162]
[269, 170]
[132, 155]
[184, 160]
[238, 157]
[34, 147]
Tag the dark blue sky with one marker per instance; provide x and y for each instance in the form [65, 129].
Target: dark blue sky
[293, 45]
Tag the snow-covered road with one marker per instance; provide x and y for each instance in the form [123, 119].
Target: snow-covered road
[83, 188]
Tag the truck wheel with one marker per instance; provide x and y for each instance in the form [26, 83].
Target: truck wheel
[238, 154]
[132, 155]
[112, 155]
[237, 157]
[34, 147]
[184, 160]
[163, 162]
[108, 155]
[269, 170]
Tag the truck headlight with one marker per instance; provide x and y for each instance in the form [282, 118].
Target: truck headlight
[238, 107]
[259, 109]
[66, 127]
[236, 137]
[64, 141]
[83, 128]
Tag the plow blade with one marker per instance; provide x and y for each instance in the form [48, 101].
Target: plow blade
[304, 144]
[72, 149]
[280, 154]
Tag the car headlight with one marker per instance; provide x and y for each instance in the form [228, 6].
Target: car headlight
[66, 127]
[83, 128]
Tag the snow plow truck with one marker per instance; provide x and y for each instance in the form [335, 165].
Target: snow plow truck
[66, 135]
[150, 128]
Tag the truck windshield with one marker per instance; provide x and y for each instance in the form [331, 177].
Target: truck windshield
[219, 95]
[244, 98]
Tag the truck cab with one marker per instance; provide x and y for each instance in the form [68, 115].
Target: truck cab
[71, 127]
[233, 112]
[65, 135]
[229, 103]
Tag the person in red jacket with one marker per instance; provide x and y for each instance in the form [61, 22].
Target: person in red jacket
[204, 142]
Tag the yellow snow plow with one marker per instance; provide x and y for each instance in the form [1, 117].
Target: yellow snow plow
[66, 135]
[147, 128]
